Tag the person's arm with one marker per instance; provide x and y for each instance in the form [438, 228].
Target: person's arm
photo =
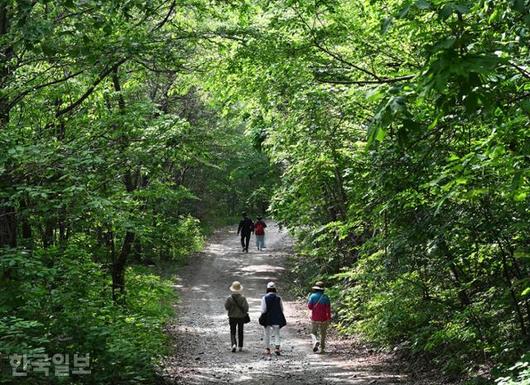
[251, 226]
[263, 305]
[310, 302]
[281, 304]
[239, 227]
[264, 225]
[227, 304]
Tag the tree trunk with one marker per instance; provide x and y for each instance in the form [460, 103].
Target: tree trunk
[8, 217]
[118, 269]
[130, 181]
[8, 227]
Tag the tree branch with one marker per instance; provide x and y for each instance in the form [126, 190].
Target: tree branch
[343, 61]
[23, 94]
[364, 82]
[168, 15]
[328, 52]
[521, 70]
[90, 90]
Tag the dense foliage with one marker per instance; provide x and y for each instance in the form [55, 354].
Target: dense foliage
[111, 159]
[63, 306]
[402, 131]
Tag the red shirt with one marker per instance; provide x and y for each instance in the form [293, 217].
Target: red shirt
[320, 307]
[259, 228]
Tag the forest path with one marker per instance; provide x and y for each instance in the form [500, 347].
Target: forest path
[201, 334]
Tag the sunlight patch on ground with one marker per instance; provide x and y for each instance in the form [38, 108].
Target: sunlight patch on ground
[216, 248]
[262, 269]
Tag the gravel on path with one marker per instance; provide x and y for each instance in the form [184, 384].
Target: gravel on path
[201, 337]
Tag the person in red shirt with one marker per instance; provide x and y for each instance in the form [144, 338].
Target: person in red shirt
[320, 307]
[259, 232]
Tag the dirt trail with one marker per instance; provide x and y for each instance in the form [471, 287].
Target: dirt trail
[202, 351]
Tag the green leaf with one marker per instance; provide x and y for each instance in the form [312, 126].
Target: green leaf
[387, 23]
[520, 6]
[404, 11]
[423, 4]
[494, 16]
[376, 133]
[521, 196]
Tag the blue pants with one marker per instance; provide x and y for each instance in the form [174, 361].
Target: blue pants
[260, 241]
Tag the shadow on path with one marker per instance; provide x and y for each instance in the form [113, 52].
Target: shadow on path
[202, 343]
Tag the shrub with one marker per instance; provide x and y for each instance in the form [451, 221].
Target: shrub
[521, 376]
[58, 301]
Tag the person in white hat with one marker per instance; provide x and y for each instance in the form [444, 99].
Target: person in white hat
[237, 306]
[272, 318]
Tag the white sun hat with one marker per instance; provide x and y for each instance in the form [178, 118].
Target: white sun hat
[236, 287]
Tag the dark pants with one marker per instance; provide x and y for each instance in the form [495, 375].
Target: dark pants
[245, 239]
[236, 322]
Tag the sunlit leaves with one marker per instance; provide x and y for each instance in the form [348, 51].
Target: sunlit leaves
[425, 215]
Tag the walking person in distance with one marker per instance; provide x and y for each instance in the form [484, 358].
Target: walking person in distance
[320, 307]
[259, 232]
[246, 227]
[237, 306]
[272, 318]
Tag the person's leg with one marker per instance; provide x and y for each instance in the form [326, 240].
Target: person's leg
[315, 332]
[314, 335]
[277, 339]
[268, 330]
[243, 242]
[257, 242]
[247, 241]
[240, 325]
[233, 323]
[323, 334]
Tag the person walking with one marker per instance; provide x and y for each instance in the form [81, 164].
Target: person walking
[320, 307]
[272, 318]
[246, 227]
[237, 306]
[259, 232]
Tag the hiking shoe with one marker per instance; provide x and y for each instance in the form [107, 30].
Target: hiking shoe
[315, 346]
[234, 348]
[241, 348]
[277, 350]
[268, 351]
